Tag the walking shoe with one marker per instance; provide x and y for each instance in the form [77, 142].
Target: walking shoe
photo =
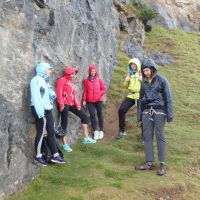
[146, 166]
[162, 170]
[58, 159]
[101, 135]
[67, 148]
[121, 134]
[88, 141]
[41, 161]
[96, 135]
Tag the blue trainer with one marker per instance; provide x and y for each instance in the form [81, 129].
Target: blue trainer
[88, 141]
[67, 148]
[41, 161]
[58, 159]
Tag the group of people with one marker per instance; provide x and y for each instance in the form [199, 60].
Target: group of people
[148, 90]
[42, 97]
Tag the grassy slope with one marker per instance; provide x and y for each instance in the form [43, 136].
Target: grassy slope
[104, 171]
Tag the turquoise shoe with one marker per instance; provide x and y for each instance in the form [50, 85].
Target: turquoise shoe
[88, 141]
[67, 148]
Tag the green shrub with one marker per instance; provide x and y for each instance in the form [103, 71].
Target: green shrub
[145, 13]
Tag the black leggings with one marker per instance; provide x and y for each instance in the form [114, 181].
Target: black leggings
[74, 110]
[93, 107]
[40, 131]
[126, 104]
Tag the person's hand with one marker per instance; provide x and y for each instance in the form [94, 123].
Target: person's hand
[140, 78]
[79, 108]
[84, 103]
[169, 120]
[128, 78]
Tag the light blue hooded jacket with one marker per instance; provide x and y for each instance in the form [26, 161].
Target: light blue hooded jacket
[42, 95]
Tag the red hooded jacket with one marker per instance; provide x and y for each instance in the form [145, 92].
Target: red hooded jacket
[94, 89]
[65, 91]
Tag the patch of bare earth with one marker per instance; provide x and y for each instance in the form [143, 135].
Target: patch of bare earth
[172, 193]
[111, 121]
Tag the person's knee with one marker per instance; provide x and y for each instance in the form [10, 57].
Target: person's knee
[121, 110]
[92, 115]
[84, 119]
[100, 114]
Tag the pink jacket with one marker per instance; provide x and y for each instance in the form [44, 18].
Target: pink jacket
[94, 88]
[65, 91]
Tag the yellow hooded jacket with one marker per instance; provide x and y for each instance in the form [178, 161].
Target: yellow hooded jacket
[134, 84]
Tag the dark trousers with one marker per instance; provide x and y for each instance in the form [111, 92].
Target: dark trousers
[93, 108]
[74, 110]
[126, 104]
[151, 124]
[40, 129]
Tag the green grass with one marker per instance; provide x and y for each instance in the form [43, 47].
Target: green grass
[104, 171]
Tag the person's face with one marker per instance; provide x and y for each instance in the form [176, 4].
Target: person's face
[93, 72]
[133, 66]
[73, 75]
[49, 72]
[147, 72]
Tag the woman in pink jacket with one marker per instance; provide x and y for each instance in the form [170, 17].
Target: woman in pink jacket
[68, 101]
[94, 89]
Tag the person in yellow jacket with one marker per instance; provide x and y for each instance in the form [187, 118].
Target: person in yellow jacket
[133, 84]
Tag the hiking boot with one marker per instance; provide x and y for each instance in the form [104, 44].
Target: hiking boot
[41, 161]
[58, 159]
[146, 166]
[121, 134]
[88, 141]
[162, 170]
[96, 135]
[67, 148]
[101, 135]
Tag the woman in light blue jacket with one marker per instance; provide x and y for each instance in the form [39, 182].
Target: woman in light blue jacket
[42, 97]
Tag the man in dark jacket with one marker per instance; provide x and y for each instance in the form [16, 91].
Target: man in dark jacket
[155, 107]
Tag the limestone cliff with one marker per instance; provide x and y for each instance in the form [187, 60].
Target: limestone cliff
[184, 14]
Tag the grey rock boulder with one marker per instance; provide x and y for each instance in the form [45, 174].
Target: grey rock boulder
[162, 59]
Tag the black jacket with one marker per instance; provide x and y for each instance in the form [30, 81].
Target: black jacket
[157, 95]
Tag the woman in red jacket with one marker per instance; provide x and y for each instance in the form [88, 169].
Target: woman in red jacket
[94, 89]
[68, 101]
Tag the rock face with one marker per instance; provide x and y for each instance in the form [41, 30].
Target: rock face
[161, 59]
[132, 31]
[184, 14]
[16, 166]
[64, 33]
